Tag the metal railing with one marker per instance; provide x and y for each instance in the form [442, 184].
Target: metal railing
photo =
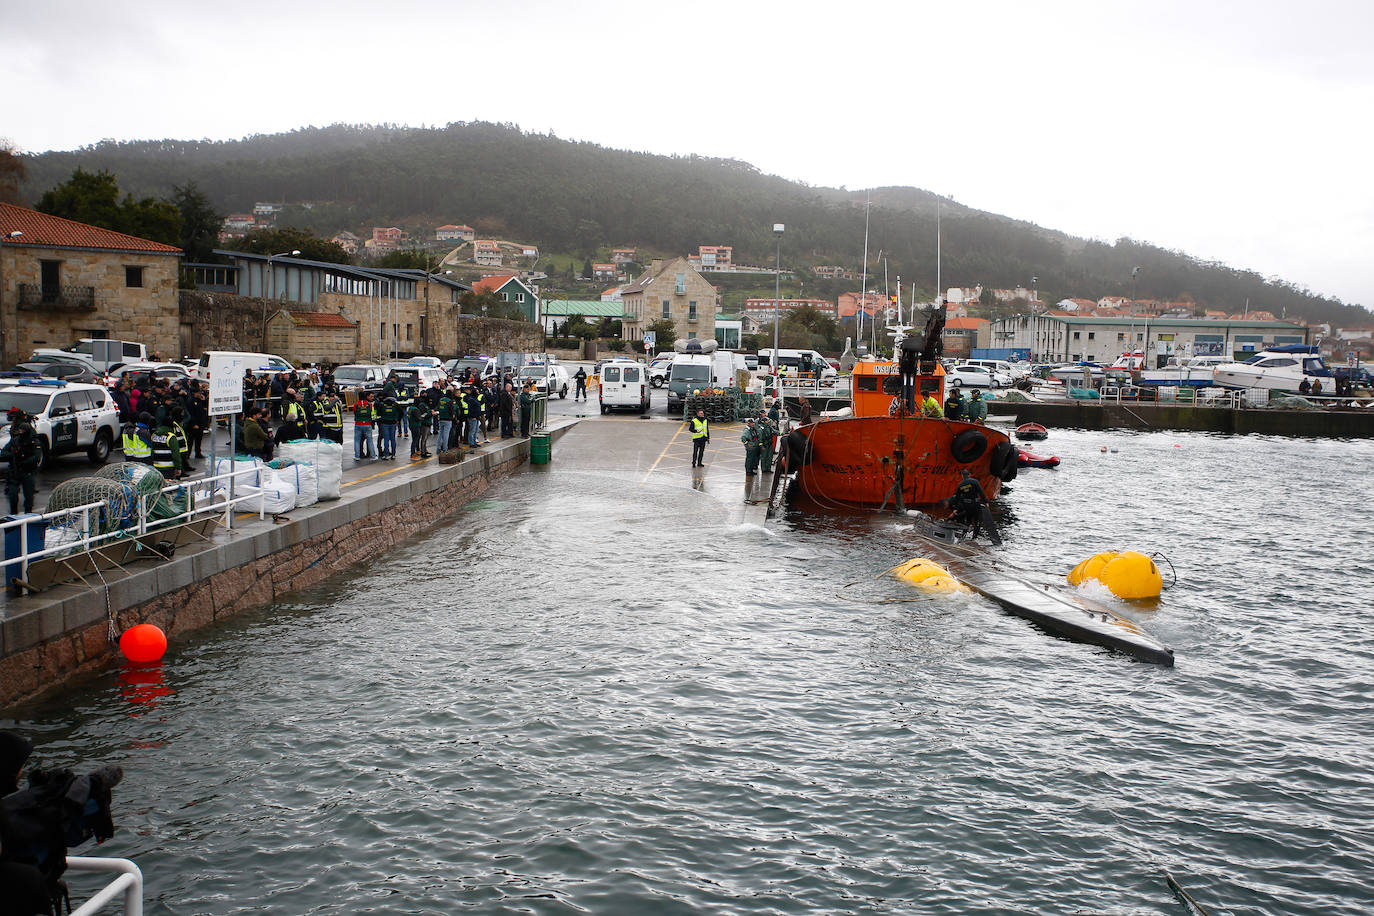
[34, 295]
[204, 496]
[1189, 396]
[128, 883]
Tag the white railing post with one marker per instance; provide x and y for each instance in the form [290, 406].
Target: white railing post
[128, 883]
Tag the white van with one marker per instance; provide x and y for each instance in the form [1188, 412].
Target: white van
[795, 362]
[102, 354]
[257, 363]
[624, 384]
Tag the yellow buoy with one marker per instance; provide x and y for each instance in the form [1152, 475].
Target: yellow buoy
[927, 575]
[1090, 567]
[917, 570]
[1132, 575]
[938, 584]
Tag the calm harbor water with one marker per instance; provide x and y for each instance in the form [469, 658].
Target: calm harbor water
[589, 694]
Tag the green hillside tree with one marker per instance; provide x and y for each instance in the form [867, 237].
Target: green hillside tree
[93, 197]
[275, 241]
[200, 222]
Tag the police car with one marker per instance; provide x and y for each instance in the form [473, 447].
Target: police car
[67, 417]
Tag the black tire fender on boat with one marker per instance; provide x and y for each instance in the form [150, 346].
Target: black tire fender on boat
[1004, 461]
[968, 446]
[799, 452]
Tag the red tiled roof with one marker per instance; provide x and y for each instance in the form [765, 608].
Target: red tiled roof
[965, 324]
[321, 320]
[42, 230]
[492, 283]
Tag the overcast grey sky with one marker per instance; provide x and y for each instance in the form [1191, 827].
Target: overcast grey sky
[1235, 131]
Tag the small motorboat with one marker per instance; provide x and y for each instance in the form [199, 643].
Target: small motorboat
[1025, 459]
[1030, 431]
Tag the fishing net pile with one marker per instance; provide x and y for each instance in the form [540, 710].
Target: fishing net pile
[146, 481]
[1291, 402]
[115, 503]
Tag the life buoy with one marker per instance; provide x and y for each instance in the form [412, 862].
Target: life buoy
[1004, 461]
[968, 446]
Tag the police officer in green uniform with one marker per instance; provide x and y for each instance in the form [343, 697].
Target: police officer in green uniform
[750, 437]
[417, 416]
[767, 427]
[701, 434]
[977, 410]
[954, 405]
[167, 451]
[388, 417]
[24, 452]
[446, 408]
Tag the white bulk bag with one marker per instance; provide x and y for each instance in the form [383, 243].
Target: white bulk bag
[325, 456]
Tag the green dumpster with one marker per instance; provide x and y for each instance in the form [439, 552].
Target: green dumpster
[540, 448]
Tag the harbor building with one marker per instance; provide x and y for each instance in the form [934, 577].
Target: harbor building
[1065, 337]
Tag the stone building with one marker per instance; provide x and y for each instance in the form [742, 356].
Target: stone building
[312, 337]
[670, 289]
[61, 280]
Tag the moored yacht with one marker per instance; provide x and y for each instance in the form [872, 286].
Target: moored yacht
[1189, 372]
[1277, 368]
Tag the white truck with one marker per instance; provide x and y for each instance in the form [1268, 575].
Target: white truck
[699, 364]
[101, 354]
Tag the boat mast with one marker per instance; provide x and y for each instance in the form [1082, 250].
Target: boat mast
[863, 288]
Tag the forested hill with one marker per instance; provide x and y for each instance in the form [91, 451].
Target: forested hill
[574, 197]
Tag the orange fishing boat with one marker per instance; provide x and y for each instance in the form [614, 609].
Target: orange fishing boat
[887, 452]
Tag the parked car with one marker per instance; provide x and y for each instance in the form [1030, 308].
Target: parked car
[169, 371]
[67, 417]
[548, 379]
[971, 377]
[360, 377]
[1001, 370]
[411, 379]
[68, 371]
[660, 367]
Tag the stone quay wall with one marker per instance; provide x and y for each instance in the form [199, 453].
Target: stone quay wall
[220, 321]
[1315, 424]
[52, 637]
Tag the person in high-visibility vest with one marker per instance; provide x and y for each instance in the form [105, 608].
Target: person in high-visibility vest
[329, 414]
[138, 442]
[701, 434]
[167, 452]
[292, 417]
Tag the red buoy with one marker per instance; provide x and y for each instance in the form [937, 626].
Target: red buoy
[143, 643]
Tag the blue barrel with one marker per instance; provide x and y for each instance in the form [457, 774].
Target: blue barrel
[32, 534]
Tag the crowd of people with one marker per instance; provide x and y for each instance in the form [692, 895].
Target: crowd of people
[460, 413]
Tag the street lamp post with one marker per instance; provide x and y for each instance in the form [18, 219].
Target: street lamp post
[4, 336]
[272, 281]
[776, 363]
[425, 343]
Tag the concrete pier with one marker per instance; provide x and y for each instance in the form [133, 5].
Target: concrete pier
[49, 637]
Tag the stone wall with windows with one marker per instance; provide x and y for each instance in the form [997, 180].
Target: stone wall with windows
[53, 297]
